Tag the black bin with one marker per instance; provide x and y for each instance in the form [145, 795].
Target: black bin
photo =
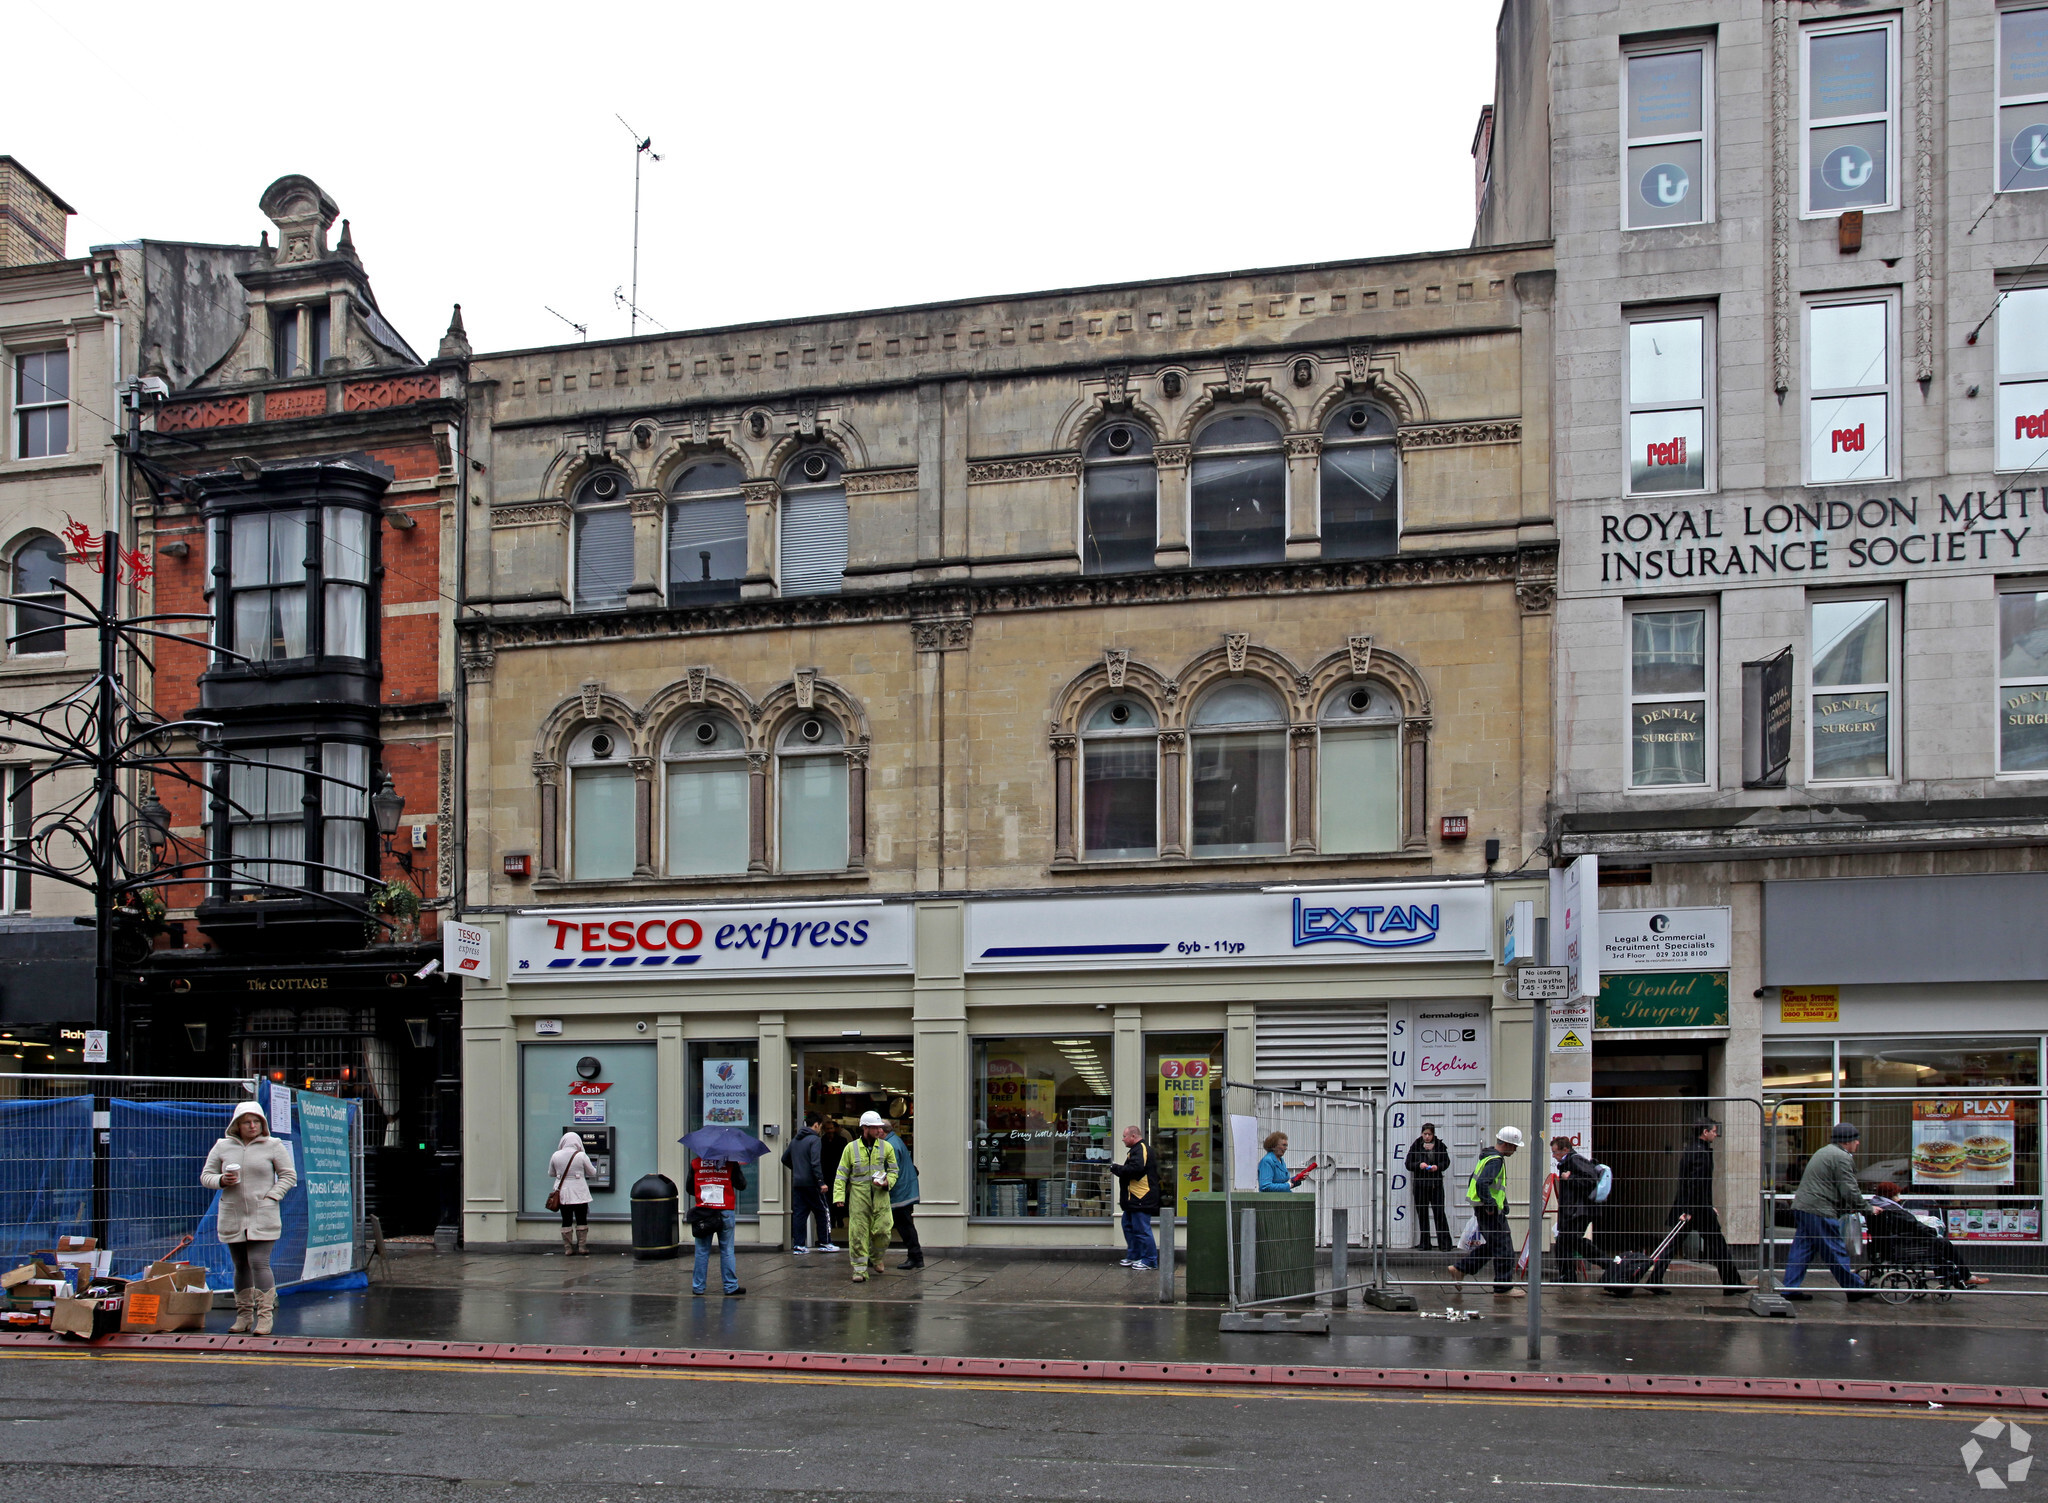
[656, 1220]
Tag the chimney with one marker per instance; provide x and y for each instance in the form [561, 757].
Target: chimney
[33, 220]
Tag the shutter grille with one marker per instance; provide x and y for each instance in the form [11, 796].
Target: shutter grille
[604, 557]
[813, 553]
[1293, 1044]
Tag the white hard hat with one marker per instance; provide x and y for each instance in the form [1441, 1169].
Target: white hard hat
[1509, 1135]
[872, 1119]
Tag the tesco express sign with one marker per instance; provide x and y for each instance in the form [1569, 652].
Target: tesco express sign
[646, 944]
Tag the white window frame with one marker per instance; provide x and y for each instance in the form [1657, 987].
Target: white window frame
[2001, 379]
[1144, 735]
[2001, 102]
[1895, 610]
[16, 408]
[1890, 26]
[1709, 382]
[1704, 135]
[682, 763]
[1889, 389]
[1710, 605]
[2000, 683]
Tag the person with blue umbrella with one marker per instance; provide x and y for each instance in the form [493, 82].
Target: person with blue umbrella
[716, 1178]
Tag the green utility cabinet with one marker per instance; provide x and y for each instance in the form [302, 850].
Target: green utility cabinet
[1286, 1243]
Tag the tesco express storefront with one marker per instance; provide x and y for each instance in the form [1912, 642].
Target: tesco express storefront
[1008, 1040]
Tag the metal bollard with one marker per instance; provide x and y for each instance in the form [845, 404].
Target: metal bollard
[1165, 1241]
[1248, 1250]
[1340, 1271]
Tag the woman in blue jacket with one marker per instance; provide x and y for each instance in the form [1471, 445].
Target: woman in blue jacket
[1273, 1171]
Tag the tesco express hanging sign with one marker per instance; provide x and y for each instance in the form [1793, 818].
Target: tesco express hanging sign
[647, 944]
[1329, 926]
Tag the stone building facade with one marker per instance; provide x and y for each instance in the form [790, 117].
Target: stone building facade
[1804, 566]
[989, 703]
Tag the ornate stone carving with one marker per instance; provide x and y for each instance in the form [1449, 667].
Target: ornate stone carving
[807, 417]
[591, 693]
[1303, 445]
[298, 402]
[941, 633]
[479, 660]
[1235, 645]
[1462, 435]
[700, 428]
[1784, 134]
[880, 482]
[698, 678]
[1237, 371]
[530, 514]
[186, 417]
[1171, 456]
[1116, 661]
[806, 688]
[857, 756]
[1304, 370]
[1536, 583]
[545, 772]
[1173, 741]
[1172, 381]
[647, 503]
[1923, 190]
[1115, 385]
[444, 824]
[1033, 467]
[1360, 649]
[1359, 359]
[759, 490]
[1064, 745]
[393, 391]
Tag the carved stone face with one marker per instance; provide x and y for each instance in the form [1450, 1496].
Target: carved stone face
[1170, 383]
[1304, 372]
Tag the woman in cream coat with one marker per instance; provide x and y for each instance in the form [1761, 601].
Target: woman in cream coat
[253, 1172]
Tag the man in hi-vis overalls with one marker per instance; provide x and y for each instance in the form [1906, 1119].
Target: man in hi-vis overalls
[867, 1172]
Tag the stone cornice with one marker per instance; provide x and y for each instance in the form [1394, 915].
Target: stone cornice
[1462, 435]
[960, 603]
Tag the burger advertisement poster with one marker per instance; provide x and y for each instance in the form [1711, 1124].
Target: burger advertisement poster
[1962, 1142]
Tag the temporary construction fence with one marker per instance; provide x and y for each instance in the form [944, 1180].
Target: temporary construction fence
[118, 1158]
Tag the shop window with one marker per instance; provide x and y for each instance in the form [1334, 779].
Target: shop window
[1922, 1064]
[811, 792]
[604, 542]
[1237, 505]
[1120, 781]
[1360, 482]
[1667, 134]
[42, 404]
[1798, 1066]
[705, 767]
[1119, 500]
[707, 534]
[267, 584]
[1671, 665]
[2022, 160]
[1359, 771]
[1186, 1132]
[39, 595]
[811, 558]
[1044, 1135]
[724, 1084]
[1669, 385]
[2023, 375]
[1850, 731]
[1849, 390]
[2023, 680]
[1238, 781]
[601, 805]
[1850, 107]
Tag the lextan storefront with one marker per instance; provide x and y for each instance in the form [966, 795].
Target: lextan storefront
[1009, 1040]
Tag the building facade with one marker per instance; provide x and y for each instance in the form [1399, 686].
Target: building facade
[966, 711]
[1804, 557]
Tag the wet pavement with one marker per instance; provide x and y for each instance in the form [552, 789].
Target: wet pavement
[608, 1300]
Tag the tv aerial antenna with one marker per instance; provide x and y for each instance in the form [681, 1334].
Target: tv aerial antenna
[582, 330]
[643, 149]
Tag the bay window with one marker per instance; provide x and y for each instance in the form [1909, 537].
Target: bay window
[277, 568]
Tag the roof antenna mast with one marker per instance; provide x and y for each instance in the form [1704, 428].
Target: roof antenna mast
[643, 147]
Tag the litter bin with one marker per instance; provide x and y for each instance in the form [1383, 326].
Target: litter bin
[657, 1226]
[1286, 1230]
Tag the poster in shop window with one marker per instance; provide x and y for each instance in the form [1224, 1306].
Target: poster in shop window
[1192, 1166]
[1958, 1142]
[725, 1092]
[1184, 1094]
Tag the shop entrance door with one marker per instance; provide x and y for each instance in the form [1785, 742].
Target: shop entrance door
[842, 1083]
[1644, 1105]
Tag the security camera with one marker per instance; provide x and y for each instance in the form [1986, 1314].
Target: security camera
[641, 1026]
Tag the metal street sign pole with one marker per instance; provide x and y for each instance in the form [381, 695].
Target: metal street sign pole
[1539, 1057]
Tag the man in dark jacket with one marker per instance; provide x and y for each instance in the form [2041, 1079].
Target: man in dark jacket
[1428, 1161]
[1695, 1198]
[1138, 1199]
[835, 1138]
[1576, 1177]
[806, 1159]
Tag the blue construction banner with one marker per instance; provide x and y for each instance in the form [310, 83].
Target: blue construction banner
[326, 1181]
[45, 1173]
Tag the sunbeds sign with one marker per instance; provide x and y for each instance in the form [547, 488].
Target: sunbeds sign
[649, 944]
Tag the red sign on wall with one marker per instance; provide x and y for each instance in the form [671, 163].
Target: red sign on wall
[590, 1088]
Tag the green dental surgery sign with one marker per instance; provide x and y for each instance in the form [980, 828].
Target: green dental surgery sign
[1669, 999]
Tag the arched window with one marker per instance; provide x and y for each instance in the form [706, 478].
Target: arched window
[705, 767]
[604, 542]
[1120, 781]
[1237, 509]
[811, 559]
[1238, 777]
[1119, 500]
[1361, 483]
[601, 800]
[1359, 771]
[39, 576]
[810, 778]
[707, 534]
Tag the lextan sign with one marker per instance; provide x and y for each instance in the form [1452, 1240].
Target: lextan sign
[1664, 939]
[648, 944]
[1449, 921]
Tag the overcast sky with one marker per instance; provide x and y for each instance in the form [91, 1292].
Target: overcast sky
[814, 158]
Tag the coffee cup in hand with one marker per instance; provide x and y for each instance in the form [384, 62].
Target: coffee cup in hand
[230, 1174]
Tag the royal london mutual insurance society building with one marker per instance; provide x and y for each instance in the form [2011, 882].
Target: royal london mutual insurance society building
[968, 711]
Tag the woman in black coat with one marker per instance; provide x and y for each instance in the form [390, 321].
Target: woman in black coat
[1429, 1160]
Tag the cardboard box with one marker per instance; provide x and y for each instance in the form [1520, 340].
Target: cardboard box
[176, 1301]
[34, 1268]
[24, 1320]
[87, 1317]
[77, 1244]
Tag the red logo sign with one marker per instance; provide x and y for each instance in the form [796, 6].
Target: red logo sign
[1848, 440]
[590, 1088]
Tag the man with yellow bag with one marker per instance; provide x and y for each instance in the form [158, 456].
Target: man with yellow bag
[867, 1172]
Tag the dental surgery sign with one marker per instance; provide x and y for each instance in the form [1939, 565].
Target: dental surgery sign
[1322, 926]
[681, 944]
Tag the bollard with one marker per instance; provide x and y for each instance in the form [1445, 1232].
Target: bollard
[1165, 1241]
[1248, 1249]
[1340, 1271]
